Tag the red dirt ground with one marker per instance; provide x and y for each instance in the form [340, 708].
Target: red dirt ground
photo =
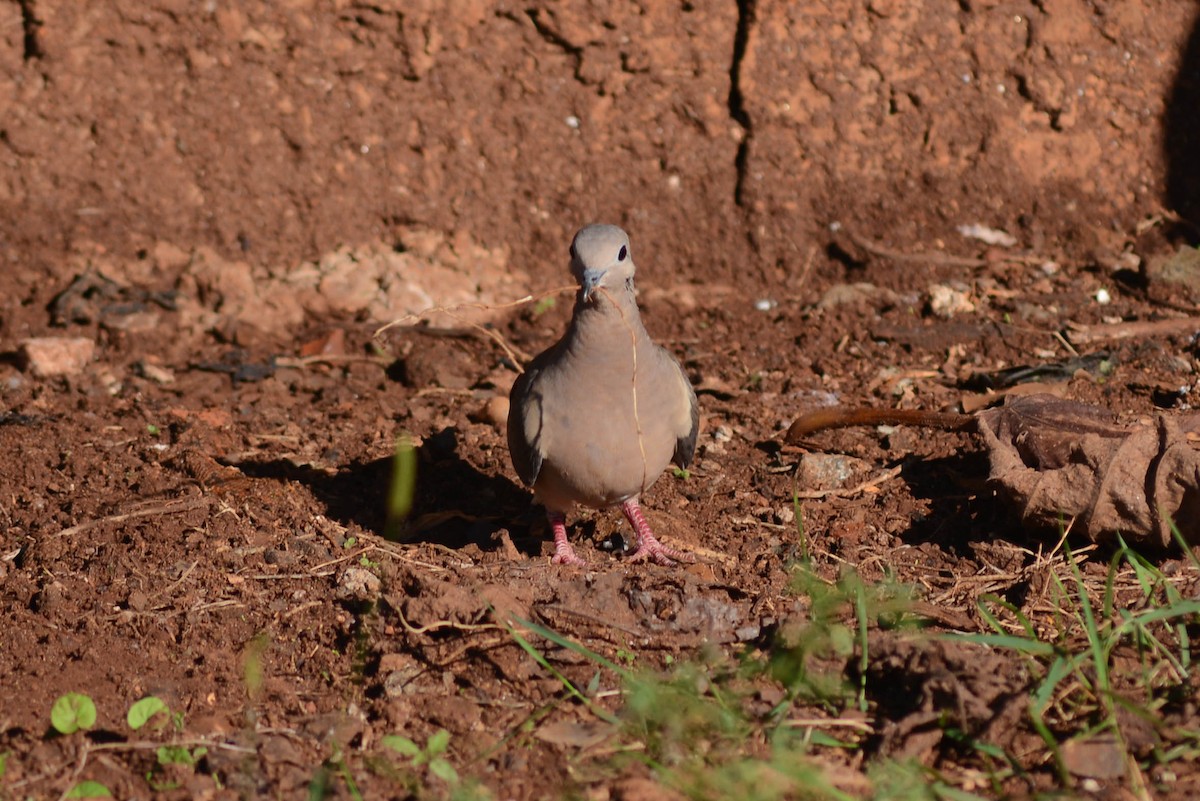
[229, 200]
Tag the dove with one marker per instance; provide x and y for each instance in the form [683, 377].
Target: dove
[596, 418]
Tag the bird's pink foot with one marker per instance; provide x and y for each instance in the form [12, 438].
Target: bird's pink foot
[650, 548]
[564, 554]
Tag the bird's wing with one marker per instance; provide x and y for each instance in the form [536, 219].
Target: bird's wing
[525, 425]
[685, 444]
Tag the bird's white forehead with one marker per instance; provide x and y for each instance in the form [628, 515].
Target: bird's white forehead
[595, 244]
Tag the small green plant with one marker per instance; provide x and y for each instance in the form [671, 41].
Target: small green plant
[544, 305]
[153, 709]
[72, 712]
[1077, 693]
[179, 755]
[403, 487]
[690, 724]
[681, 473]
[810, 656]
[430, 756]
[909, 781]
[153, 430]
[798, 515]
[88, 789]
[141, 712]
[252, 668]
[322, 782]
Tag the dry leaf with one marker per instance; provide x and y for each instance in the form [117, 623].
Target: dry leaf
[1068, 463]
[574, 734]
[1094, 757]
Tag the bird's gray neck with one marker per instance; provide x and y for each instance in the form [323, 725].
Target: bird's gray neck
[608, 314]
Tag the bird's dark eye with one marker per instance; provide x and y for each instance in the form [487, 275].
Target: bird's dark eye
[623, 253]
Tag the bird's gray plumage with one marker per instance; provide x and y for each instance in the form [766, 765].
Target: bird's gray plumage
[597, 417]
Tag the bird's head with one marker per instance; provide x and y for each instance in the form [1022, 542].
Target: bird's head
[600, 257]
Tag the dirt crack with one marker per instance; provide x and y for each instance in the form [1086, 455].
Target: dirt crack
[737, 101]
[551, 36]
[30, 25]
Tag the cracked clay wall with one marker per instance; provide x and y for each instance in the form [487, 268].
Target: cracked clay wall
[727, 135]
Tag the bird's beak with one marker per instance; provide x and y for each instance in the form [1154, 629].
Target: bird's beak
[591, 280]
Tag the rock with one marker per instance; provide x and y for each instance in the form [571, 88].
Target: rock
[153, 372]
[822, 471]
[946, 301]
[358, 584]
[1178, 273]
[862, 293]
[495, 411]
[50, 356]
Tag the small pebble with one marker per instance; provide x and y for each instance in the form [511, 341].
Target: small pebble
[494, 412]
[51, 356]
[358, 584]
[946, 301]
[159, 375]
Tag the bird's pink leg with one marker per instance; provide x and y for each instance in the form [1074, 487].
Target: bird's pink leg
[648, 546]
[564, 554]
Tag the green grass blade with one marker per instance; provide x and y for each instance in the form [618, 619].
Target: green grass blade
[599, 712]
[571, 645]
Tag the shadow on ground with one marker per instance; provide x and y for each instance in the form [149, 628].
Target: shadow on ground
[455, 504]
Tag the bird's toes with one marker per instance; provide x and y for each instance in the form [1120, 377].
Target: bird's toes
[568, 559]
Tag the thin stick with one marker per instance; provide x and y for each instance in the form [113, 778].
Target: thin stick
[858, 725]
[174, 507]
[1084, 334]
[320, 358]
[443, 624]
[808, 263]
[875, 249]
[517, 356]
[637, 422]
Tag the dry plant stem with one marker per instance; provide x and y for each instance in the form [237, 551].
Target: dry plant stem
[875, 249]
[346, 358]
[808, 263]
[845, 417]
[944, 259]
[443, 624]
[1083, 334]
[832, 723]
[88, 748]
[513, 353]
[174, 507]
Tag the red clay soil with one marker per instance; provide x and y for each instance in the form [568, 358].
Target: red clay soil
[226, 201]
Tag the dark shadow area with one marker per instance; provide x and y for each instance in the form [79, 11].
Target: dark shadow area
[965, 509]
[1181, 141]
[455, 504]
[961, 510]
